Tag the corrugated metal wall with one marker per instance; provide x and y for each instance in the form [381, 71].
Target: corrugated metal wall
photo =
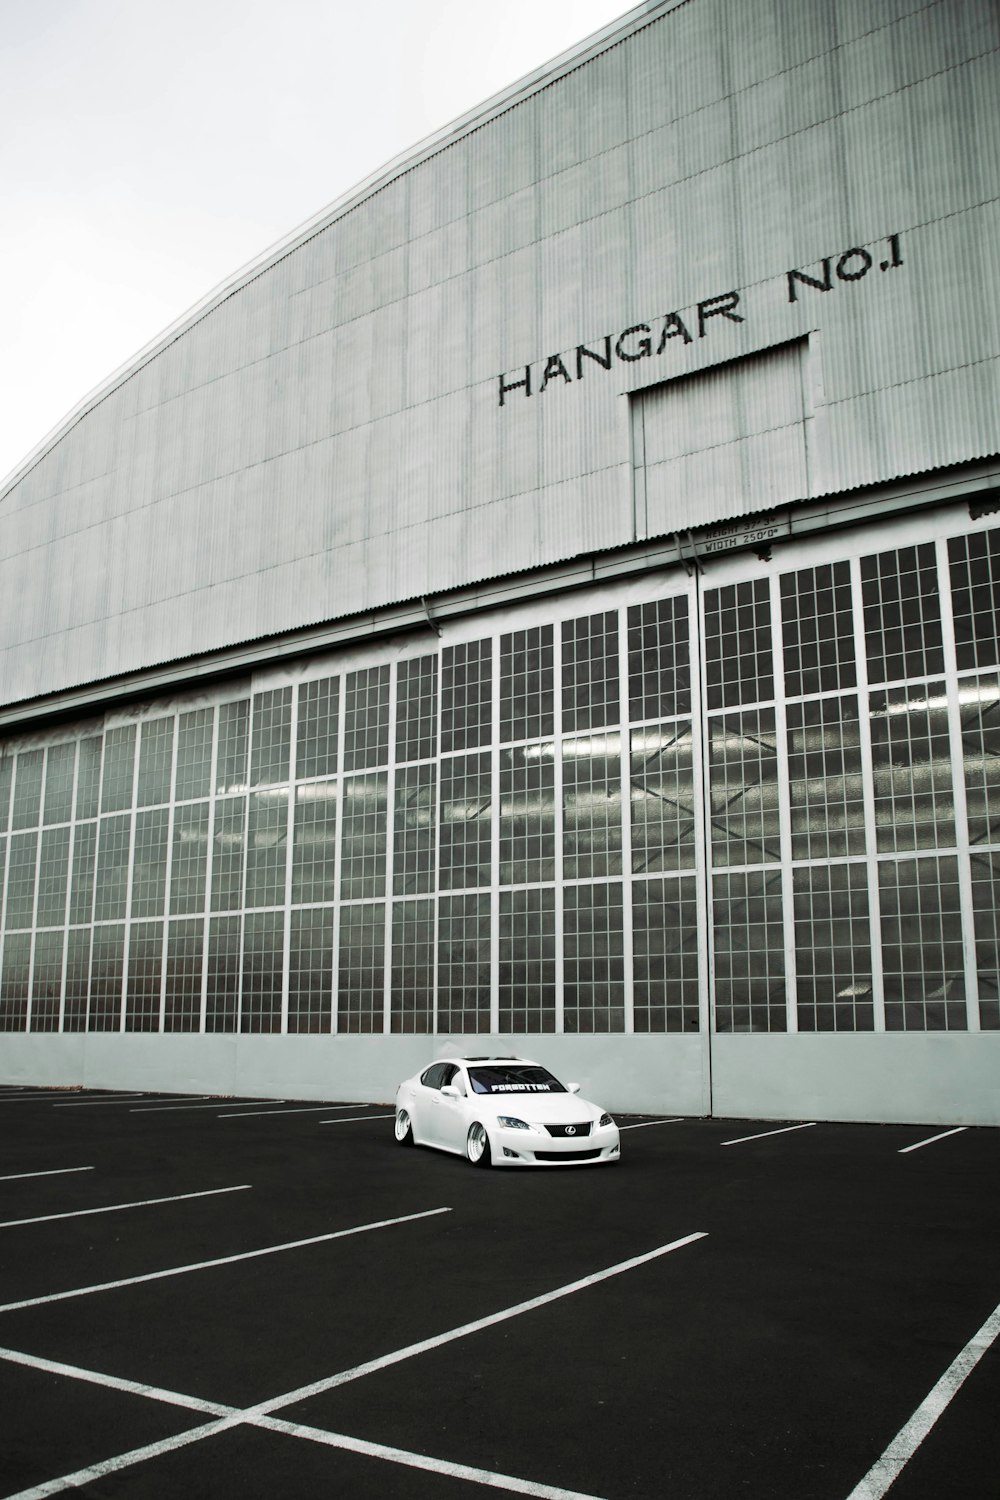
[329, 437]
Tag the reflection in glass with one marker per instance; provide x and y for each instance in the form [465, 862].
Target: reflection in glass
[119, 760]
[225, 963]
[817, 623]
[88, 779]
[228, 853]
[185, 945]
[661, 792]
[366, 729]
[149, 863]
[902, 614]
[412, 974]
[189, 861]
[415, 830]
[263, 962]
[361, 968]
[315, 842]
[986, 916]
[665, 954]
[362, 867]
[26, 806]
[659, 666]
[824, 775]
[316, 732]
[194, 754]
[738, 653]
[59, 768]
[53, 877]
[911, 759]
[592, 806]
[267, 847]
[922, 955]
[234, 746]
[271, 737]
[594, 965]
[14, 982]
[310, 971]
[416, 709]
[590, 671]
[980, 721]
[46, 981]
[107, 960]
[465, 815]
[145, 976]
[464, 964]
[77, 979]
[833, 948]
[466, 695]
[21, 874]
[528, 960]
[743, 788]
[749, 949]
[527, 684]
[156, 755]
[527, 814]
[975, 591]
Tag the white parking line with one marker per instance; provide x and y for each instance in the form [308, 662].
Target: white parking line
[887, 1469]
[931, 1139]
[306, 1109]
[261, 1415]
[114, 1208]
[350, 1120]
[783, 1131]
[224, 1260]
[52, 1172]
[33, 1098]
[161, 1108]
[644, 1124]
[89, 1103]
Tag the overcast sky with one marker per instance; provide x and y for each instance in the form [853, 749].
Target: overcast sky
[148, 150]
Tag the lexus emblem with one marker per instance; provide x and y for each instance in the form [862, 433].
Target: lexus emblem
[571, 1130]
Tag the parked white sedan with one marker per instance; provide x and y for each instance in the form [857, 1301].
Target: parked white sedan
[504, 1111]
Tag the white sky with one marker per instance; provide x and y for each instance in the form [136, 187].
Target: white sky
[148, 150]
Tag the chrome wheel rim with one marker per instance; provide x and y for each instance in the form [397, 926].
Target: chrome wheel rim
[477, 1143]
[402, 1125]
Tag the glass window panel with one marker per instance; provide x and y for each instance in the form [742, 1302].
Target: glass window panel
[77, 979]
[26, 807]
[228, 853]
[149, 863]
[267, 847]
[117, 775]
[363, 835]
[145, 977]
[911, 759]
[310, 971]
[14, 977]
[824, 772]
[833, 958]
[224, 966]
[315, 842]
[590, 672]
[902, 614]
[593, 958]
[465, 815]
[412, 975]
[738, 656]
[107, 958]
[53, 877]
[88, 779]
[527, 684]
[361, 969]
[6, 783]
[416, 709]
[185, 957]
[592, 806]
[156, 758]
[263, 964]
[46, 981]
[366, 719]
[661, 797]
[749, 951]
[665, 954]
[817, 627]
[980, 722]
[271, 737]
[464, 965]
[234, 746]
[466, 695]
[975, 591]
[21, 876]
[743, 772]
[59, 768]
[659, 663]
[111, 884]
[527, 956]
[316, 735]
[922, 953]
[986, 919]
[189, 860]
[194, 754]
[81, 891]
[527, 814]
[415, 832]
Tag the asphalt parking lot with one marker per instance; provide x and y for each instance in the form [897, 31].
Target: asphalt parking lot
[209, 1297]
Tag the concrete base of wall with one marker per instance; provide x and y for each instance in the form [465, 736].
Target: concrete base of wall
[945, 1078]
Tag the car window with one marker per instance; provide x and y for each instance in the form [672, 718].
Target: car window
[433, 1078]
[513, 1078]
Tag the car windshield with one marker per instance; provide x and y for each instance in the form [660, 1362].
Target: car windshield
[513, 1078]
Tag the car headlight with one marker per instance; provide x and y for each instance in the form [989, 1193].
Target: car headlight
[511, 1122]
[605, 1120]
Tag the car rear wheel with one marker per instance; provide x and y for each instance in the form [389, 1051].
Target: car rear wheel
[477, 1145]
[403, 1128]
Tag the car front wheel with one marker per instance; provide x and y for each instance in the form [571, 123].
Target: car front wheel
[403, 1129]
[477, 1145]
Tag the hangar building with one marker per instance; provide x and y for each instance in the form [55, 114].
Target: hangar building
[550, 602]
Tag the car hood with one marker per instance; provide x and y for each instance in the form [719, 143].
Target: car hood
[545, 1108]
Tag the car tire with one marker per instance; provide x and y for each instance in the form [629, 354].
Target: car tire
[477, 1146]
[403, 1128]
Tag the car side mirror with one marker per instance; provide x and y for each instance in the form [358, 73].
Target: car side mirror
[572, 1088]
[450, 1091]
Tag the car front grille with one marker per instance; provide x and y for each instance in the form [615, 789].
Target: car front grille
[563, 1132]
[566, 1155]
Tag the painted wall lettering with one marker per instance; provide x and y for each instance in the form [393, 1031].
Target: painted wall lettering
[849, 266]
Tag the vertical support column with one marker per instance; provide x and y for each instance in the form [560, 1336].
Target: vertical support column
[338, 853]
[213, 790]
[127, 945]
[390, 822]
[625, 774]
[784, 807]
[69, 884]
[168, 873]
[286, 946]
[495, 839]
[28, 1006]
[868, 796]
[557, 808]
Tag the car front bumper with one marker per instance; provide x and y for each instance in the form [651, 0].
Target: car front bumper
[536, 1148]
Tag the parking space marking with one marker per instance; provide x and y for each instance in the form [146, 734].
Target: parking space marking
[223, 1260]
[33, 1098]
[52, 1172]
[114, 1382]
[783, 1131]
[305, 1109]
[350, 1120]
[887, 1469]
[114, 1208]
[262, 1414]
[162, 1109]
[643, 1124]
[89, 1103]
[931, 1139]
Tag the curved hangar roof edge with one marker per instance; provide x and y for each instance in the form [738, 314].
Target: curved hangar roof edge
[413, 156]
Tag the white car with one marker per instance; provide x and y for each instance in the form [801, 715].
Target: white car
[504, 1111]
